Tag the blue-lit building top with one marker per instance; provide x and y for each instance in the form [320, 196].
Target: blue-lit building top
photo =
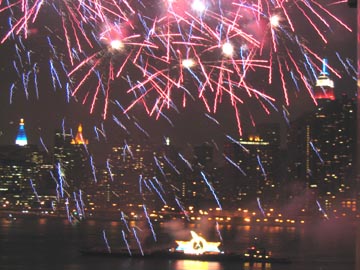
[21, 138]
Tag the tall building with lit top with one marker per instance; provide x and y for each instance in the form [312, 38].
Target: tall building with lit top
[71, 159]
[322, 143]
[24, 174]
[79, 138]
[324, 85]
[21, 138]
[253, 164]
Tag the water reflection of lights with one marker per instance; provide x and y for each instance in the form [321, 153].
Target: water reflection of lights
[198, 265]
[202, 265]
[42, 221]
[257, 266]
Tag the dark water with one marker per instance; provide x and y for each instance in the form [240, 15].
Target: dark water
[50, 243]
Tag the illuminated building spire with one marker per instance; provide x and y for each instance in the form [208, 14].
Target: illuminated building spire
[79, 138]
[324, 85]
[21, 138]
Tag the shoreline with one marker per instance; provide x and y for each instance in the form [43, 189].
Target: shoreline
[116, 217]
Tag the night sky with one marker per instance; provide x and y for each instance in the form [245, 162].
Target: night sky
[192, 124]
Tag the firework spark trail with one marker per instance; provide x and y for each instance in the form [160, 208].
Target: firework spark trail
[102, 131]
[159, 166]
[12, 87]
[260, 207]
[186, 161]
[218, 230]
[53, 205]
[212, 119]
[146, 185]
[117, 121]
[126, 242]
[141, 129]
[93, 169]
[122, 109]
[171, 165]
[82, 205]
[261, 166]
[124, 221]
[238, 143]
[159, 184]
[63, 128]
[149, 222]
[96, 133]
[179, 33]
[68, 210]
[61, 179]
[54, 75]
[57, 186]
[316, 151]
[77, 204]
[343, 63]
[108, 166]
[43, 145]
[25, 82]
[182, 208]
[138, 241]
[322, 210]
[234, 164]
[157, 191]
[34, 190]
[285, 115]
[351, 65]
[140, 185]
[35, 70]
[211, 189]
[106, 241]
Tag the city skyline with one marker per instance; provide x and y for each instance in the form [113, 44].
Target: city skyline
[254, 167]
[196, 79]
[192, 124]
[127, 126]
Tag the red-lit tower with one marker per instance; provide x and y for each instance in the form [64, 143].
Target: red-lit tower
[324, 85]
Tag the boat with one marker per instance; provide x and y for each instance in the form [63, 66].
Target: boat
[196, 249]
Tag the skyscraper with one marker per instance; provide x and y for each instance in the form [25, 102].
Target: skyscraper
[22, 174]
[79, 138]
[324, 85]
[21, 138]
[71, 159]
[254, 163]
[322, 143]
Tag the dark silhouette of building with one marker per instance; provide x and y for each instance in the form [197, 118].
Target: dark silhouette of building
[253, 164]
[72, 162]
[321, 145]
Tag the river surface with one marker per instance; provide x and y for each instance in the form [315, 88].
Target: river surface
[52, 243]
